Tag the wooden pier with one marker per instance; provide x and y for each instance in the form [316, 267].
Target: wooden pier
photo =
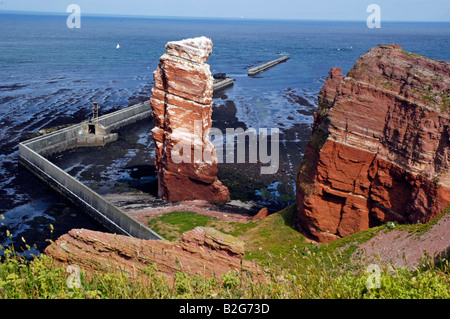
[267, 65]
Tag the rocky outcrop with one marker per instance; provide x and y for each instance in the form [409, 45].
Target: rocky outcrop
[380, 146]
[201, 251]
[263, 213]
[182, 106]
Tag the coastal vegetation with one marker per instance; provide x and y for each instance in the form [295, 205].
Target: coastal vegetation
[293, 268]
[411, 54]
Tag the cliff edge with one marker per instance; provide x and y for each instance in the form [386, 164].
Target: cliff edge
[379, 149]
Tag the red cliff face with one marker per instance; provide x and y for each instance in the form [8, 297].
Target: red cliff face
[380, 146]
[182, 107]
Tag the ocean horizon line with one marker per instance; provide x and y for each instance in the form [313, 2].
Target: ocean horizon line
[130, 16]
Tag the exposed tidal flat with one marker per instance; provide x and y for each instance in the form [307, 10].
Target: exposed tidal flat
[126, 167]
[58, 85]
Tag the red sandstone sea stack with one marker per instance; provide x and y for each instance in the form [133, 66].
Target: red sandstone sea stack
[380, 146]
[182, 107]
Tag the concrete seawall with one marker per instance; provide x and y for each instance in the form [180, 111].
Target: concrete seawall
[31, 156]
[267, 65]
[66, 138]
[223, 84]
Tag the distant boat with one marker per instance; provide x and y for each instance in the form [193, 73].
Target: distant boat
[117, 46]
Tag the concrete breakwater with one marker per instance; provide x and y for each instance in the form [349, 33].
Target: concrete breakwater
[221, 84]
[32, 156]
[267, 65]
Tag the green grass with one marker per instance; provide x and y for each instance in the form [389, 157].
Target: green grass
[275, 235]
[292, 267]
[172, 225]
[445, 106]
[40, 279]
[415, 55]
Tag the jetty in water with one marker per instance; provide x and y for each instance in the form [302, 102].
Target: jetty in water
[222, 83]
[33, 155]
[267, 65]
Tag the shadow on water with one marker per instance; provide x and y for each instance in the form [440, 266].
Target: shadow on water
[143, 178]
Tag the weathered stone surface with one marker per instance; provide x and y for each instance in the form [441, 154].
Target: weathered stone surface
[263, 213]
[380, 146]
[196, 49]
[186, 79]
[182, 108]
[201, 251]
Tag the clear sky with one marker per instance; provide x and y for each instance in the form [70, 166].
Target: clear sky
[391, 10]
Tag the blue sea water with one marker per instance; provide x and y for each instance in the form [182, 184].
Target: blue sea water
[50, 75]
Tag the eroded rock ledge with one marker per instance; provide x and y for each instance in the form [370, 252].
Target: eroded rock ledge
[380, 147]
[202, 251]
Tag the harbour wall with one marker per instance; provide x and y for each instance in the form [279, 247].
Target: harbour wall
[267, 65]
[32, 156]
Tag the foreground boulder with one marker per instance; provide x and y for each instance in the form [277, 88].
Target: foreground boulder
[380, 146]
[201, 251]
[182, 107]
